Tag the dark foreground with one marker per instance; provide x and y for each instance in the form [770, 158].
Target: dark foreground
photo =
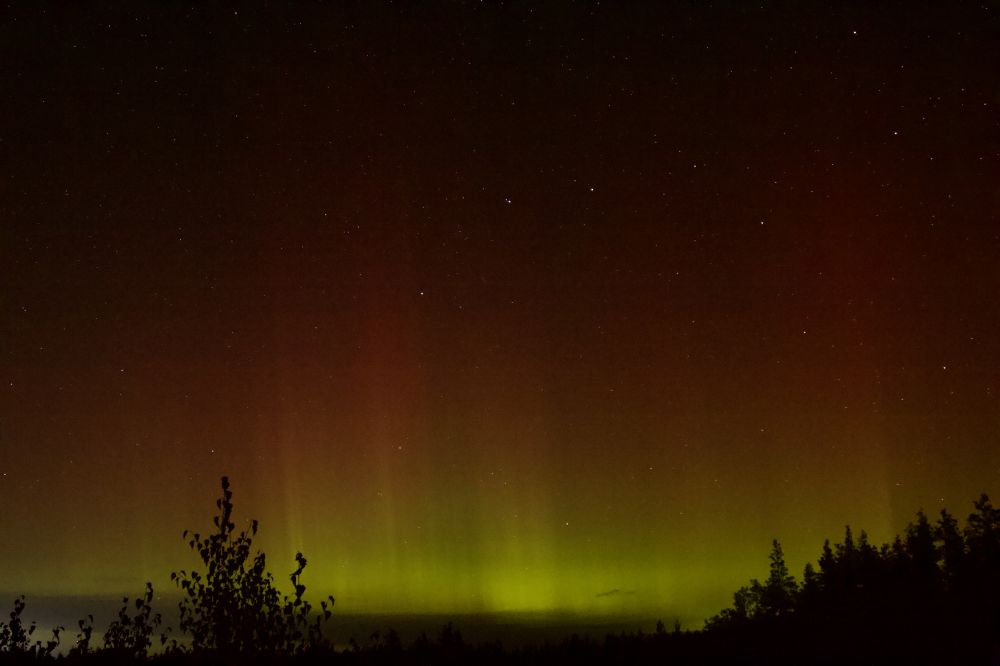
[662, 647]
[932, 596]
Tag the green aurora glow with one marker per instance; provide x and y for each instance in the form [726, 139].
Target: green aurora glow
[492, 310]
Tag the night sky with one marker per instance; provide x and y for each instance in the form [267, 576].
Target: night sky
[493, 308]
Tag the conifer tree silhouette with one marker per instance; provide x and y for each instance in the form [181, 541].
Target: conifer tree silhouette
[777, 596]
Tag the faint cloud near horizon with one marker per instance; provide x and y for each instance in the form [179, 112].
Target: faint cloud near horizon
[615, 593]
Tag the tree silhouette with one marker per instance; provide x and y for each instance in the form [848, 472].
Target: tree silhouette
[82, 644]
[951, 550]
[15, 637]
[234, 607]
[128, 635]
[932, 594]
[777, 596]
[773, 598]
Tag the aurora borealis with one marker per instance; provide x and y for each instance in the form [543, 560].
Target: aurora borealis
[493, 308]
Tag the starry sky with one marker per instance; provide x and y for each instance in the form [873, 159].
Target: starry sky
[493, 307]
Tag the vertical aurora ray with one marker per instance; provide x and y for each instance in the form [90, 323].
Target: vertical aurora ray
[391, 435]
[583, 337]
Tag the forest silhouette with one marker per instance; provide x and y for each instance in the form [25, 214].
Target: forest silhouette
[932, 595]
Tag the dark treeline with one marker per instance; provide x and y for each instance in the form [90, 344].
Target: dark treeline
[930, 596]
